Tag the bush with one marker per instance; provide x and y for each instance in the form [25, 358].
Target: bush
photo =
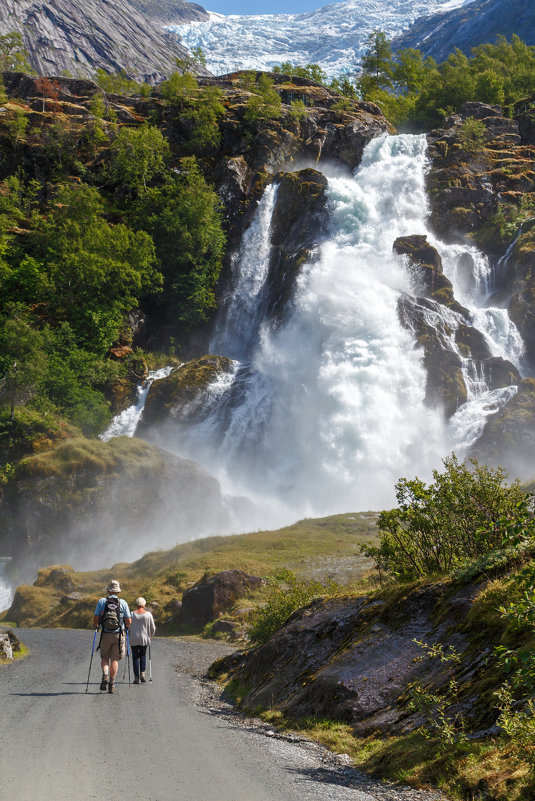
[286, 594]
[472, 135]
[437, 527]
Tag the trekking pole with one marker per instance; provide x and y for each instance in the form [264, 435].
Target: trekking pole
[150, 665]
[91, 660]
[128, 655]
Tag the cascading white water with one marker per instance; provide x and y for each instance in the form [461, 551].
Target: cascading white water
[326, 411]
[125, 423]
[6, 591]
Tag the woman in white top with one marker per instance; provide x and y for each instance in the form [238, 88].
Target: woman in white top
[140, 632]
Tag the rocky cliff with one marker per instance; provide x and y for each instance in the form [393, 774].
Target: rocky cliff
[485, 192]
[473, 24]
[80, 37]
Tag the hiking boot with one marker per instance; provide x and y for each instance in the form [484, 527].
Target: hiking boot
[104, 683]
[136, 680]
[142, 678]
[111, 688]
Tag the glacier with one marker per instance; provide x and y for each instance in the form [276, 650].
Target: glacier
[333, 36]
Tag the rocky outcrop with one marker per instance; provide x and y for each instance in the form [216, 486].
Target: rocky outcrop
[298, 226]
[95, 502]
[213, 595]
[467, 186]
[425, 266]
[184, 396]
[81, 37]
[508, 438]
[442, 328]
[352, 659]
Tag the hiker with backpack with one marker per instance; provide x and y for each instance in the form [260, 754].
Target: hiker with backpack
[113, 616]
[141, 632]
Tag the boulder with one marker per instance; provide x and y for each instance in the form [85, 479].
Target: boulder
[6, 651]
[58, 578]
[425, 265]
[184, 396]
[212, 595]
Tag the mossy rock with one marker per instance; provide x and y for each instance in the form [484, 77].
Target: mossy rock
[182, 396]
[508, 438]
[88, 497]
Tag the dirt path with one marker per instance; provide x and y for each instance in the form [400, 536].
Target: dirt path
[171, 740]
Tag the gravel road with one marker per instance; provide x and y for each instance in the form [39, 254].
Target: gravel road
[170, 740]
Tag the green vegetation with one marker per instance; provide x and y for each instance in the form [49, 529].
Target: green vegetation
[417, 92]
[436, 527]
[116, 224]
[13, 56]
[286, 593]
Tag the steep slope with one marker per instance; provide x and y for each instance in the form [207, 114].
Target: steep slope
[80, 37]
[174, 11]
[474, 24]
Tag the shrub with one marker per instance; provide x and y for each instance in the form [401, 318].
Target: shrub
[286, 594]
[437, 527]
[472, 135]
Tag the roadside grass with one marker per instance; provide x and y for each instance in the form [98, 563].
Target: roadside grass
[479, 770]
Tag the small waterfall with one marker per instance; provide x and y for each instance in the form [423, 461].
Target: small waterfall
[327, 410]
[6, 592]
[125, 423]
[240, 316]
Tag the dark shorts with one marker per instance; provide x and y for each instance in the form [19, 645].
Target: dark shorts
[109, 646]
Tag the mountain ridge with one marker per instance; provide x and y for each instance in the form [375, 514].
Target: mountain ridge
[477, 23]
[70, 36]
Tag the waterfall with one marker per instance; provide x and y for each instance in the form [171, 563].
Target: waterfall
[6, 592]
[125, 423]
[326, 410]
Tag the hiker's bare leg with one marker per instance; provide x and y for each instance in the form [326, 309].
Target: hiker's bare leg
[114, 667]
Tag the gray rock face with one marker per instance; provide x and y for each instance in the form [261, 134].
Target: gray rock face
[471, 25]
[352, 659]
[170, 11]
[80, 36]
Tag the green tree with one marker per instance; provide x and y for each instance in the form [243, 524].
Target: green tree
[377, 66]
[265, 102]
[184, 219]
[137, 156]
[437, 526]
[118, 83]
[22, 361]
[472, 135]
[13, 56]
[98, 272]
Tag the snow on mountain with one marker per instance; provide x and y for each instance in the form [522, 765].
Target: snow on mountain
[333, 36]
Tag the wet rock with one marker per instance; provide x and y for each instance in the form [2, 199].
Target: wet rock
[425, 265]
[184, 396]
[212, 595]
[508, 438]
[299, 224]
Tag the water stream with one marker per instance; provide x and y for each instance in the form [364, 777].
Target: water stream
[326, 411]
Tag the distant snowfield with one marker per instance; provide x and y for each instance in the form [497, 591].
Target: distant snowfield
[333, 36]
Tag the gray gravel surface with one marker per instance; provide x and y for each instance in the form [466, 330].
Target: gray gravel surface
[174, 739]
